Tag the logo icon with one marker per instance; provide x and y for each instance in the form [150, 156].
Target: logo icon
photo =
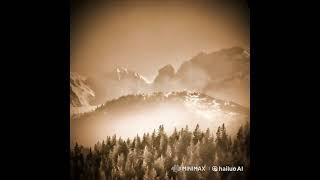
[175, 168]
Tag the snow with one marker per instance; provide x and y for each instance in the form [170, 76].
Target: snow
[81, 89]
[82, 109]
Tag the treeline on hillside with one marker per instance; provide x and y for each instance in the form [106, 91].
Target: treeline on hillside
[153, 155]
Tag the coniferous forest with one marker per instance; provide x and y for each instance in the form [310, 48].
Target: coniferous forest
[152, 156]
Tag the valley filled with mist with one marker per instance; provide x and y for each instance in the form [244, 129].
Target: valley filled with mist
[209, 89]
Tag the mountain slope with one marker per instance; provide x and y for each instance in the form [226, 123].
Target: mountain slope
[132, 114]
[80, 94]
[119, 82]
[224, 74]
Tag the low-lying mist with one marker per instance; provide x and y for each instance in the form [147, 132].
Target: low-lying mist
[128, 119]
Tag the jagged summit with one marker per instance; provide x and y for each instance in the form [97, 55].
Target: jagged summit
[223, 74]
[167, 69]
[124, 73]
[164, 74]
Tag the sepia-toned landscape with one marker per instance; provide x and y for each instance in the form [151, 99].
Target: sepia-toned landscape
[153, 91]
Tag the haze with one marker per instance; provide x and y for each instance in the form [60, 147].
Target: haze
[128, 122]
[146, 36]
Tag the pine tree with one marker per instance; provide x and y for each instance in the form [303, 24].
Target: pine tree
[224, 138]
[153, 159]
[174, 137]
[218, 136]
[129, 168]
[206, 149]
[163, 144]
[114, 140]
[168, 161]
[207, 136]
[196, 134]
[138, 144]
[229, 147]
[146, 140]
[218, 141]
[194, 153]
[182, 144]
[147, 158]
[159, 167]
[106, 166]
[121, 161]
[89, 169]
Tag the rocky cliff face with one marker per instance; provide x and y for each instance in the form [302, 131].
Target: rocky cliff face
[80, 93]
[119, 82]
[224, 74]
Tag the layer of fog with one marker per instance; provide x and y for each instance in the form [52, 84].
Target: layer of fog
[126, 124]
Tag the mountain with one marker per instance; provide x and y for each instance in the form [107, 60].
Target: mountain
[164, 74]
[132, 114]
[80, 94]
[121, 73]
[224, 74]
[119, 82]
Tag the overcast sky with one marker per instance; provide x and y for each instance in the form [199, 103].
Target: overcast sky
[146, 36]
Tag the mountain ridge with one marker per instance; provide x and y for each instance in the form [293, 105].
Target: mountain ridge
[223, 74]
[123, 116]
